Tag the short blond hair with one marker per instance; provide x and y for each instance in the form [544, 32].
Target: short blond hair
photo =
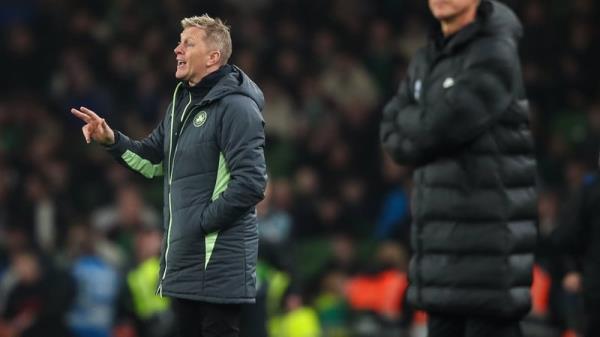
[217, 33]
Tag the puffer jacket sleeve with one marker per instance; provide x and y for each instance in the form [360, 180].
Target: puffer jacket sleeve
[242, 141]
[393, 138]
[416, 133]
[141, 156]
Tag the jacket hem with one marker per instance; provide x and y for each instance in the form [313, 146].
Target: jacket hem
[210, 299]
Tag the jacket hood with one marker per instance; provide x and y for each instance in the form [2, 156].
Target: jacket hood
[499, 19]
[236, 82]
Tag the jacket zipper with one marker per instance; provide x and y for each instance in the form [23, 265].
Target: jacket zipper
[171, 164]
[432, 61]
[420, 178]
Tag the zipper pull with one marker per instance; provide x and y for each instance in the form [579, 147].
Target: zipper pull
[159, 290]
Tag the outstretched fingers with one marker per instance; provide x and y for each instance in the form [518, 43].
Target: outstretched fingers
[81, 115]
[91, 114]
[93, 122]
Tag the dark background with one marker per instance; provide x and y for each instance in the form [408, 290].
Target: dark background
[337, 208]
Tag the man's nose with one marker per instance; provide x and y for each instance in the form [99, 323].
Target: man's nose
[177, 49]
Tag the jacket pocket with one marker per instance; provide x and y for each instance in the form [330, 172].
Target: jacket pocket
[186, 223]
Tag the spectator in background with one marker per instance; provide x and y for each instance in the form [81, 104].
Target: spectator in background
[379, 58]
[377, 297]
[564, 302]
[279, 111]
[37, 302]
[579, 235]
[330, 304]
[355, 206]
[348, 85]
[118, 223]
[274, 222]
[344, 254]
[22, 50]
[394, 217]
[47, 219]
[15, 239]
[297, 319]
[304, 211]
[139, 308]
[6, 203]
[465, 129]
[538, 323]
[97, 283]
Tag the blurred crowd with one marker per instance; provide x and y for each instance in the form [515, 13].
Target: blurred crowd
[80, 235]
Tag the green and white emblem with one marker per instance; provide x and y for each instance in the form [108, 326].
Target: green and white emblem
[200, 119]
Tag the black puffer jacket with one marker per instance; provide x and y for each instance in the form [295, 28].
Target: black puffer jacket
[461, 119]
[210, 151]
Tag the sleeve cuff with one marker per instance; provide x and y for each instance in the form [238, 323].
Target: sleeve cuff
[119, 147]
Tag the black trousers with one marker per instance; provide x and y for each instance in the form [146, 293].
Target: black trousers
[201, 319]
[442, 325]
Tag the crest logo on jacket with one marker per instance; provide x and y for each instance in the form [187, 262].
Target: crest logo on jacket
[200, 118]
[417, 90]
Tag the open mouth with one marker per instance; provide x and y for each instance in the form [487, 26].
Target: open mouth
[180, 63]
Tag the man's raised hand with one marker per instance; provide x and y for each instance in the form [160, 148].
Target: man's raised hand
[95, 128]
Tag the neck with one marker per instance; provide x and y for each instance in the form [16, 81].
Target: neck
[192, 82]
[453, 24]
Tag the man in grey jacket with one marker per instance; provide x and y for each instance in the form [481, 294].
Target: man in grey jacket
[210, 150]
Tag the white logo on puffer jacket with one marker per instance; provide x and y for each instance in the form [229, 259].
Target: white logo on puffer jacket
[418, 88]
[449, 82]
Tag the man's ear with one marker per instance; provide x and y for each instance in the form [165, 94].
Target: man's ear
[214, 58]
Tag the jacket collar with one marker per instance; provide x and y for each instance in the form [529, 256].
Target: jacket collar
[201, 90]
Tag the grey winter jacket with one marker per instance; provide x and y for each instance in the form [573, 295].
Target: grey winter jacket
[211, 154]
[460, 118]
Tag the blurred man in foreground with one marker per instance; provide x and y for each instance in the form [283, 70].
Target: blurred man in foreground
[210, 149]
[461, 119]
